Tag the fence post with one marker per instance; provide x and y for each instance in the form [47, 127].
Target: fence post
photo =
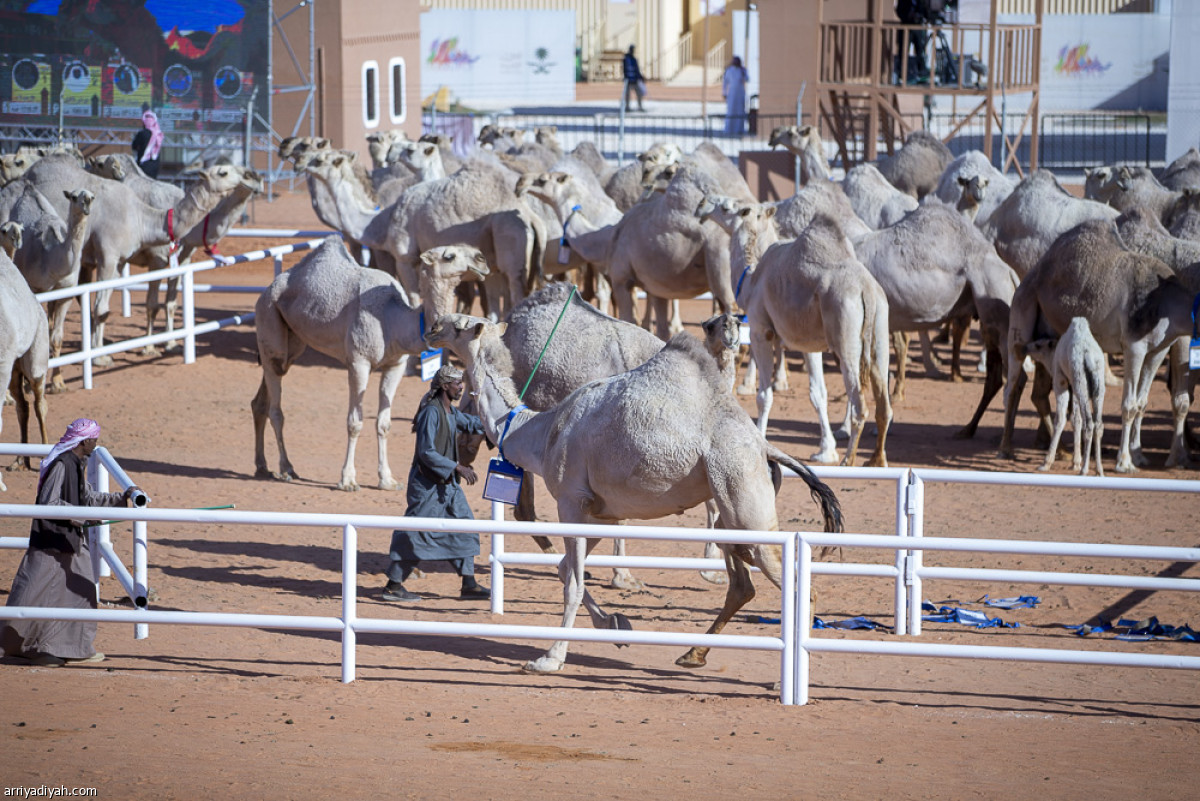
[98, 478]
[349, 600]
[126, 308]
[497, 563]
[803, 622]
[140, 630]
[787, 622]
[915, 512]
[189, 313]
[85, 336]
[900, 622]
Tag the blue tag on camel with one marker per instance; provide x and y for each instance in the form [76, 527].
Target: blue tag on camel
[503, 482]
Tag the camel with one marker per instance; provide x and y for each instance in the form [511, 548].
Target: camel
[626, 185]
[1183, 172]
[644, 444]
[1135, 305]
[121, 224]
[204, 236]
[475, 206]
[50, 253]
[935, 266]
[24, 350]
[1036, 213]
[450, 159]
[875, 201]
[805, 143]
[380, 144]
[795, 213]
[124, 168]
[1184, 220]
[973, 163]
[1125, 188]
[1143, 233]
[14, 165]
[358, 316]
[813, 295]
[1077, 364]
[917, 167]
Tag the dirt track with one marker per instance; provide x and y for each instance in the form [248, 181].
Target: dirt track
[203, 712]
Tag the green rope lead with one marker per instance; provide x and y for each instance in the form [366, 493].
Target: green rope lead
[538, 363]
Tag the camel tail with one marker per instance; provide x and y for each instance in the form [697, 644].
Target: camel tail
[867, 361]
[821, 492]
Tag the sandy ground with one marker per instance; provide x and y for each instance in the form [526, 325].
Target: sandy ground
[197, 712]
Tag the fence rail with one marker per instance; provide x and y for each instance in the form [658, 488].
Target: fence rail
[795, 642]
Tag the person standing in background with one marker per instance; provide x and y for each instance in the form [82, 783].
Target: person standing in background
[733, 89]
[148, 143]
[634, 80]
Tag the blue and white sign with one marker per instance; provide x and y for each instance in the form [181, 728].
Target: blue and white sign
[490, 57]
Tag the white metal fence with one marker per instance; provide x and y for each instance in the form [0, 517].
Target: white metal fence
[189, 329]
[795, 641]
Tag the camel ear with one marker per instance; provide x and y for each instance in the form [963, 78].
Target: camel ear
[428, 258]
[806, 130]
[962, 181]
[769, 211]
[430, 150]
[1087, 171]
[478, 331]
[67, 195]
[561, 177]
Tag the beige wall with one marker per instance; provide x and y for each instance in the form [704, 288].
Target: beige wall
[349, 33]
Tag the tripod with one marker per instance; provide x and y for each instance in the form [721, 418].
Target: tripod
[945, 64]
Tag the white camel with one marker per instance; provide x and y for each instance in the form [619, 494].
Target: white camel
[652, 442]
[1077, 364]
[970, 165]
[358, 316]
[24, 349]
[813, 295]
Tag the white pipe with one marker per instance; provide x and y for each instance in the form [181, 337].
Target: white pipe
[900, 613]
[110, 557]
[803, 629]
[140, 576]
[787, 623]
[189, 316]
[916, 555]
[497, 561]
[1072, 579]
[349, 601]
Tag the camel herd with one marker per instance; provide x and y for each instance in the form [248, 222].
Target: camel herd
[619, 422]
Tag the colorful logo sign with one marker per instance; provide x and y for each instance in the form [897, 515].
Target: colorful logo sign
[1075, 61]
[30, 87]
[445, 53]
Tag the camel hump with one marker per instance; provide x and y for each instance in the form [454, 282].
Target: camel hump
[685, 346]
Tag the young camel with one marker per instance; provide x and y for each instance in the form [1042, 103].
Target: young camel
[24, 350]
[1077, 364]
[641, 445]
[358, 316]
[813, 295]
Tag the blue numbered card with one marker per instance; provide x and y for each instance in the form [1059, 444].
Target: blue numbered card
[431, 362]
[503, 482]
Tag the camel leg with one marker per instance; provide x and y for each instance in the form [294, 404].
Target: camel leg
[762, 352]
[108, 269]
[662, 322]
[1145, 378]
[388, 383]
[603, 290]
[676, 318]
[622, 579]
[928, 357]
[991, 385]
[900, 343]
[358, 374]
[877, 375]
[750, 376]
[266, 406]
[1040, 395]
[855, 413]
[1182, 386]
[58, 323]
[1094, 432]
[780, 379]
[1012, 397]
[818, 396]
[623, 297]
[152, 309]
[960, 327]
[172, 303]
[1062, 399]
[1135, 357]
[710, 548]
[525, 510]
[739, 593]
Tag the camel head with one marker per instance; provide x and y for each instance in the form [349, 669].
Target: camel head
[441, 140]
[11, 234]
[252, 180]
[82, 199]
[461, 262]
[293, 146]
[461, 334]
[658, 179]
[721, 336]
[551, 187]
[380, 144]
[1099, 184]
[109, 167]
[974, 190]
[14, 165]
[221, 179]
[718, 208]
[547, 135]
[414, 155]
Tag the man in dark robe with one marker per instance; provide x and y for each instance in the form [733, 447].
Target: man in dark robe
[434, 491]
[56, 570]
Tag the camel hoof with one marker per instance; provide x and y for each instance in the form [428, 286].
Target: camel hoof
[102, 361]
[287, 477]
[150, 350]
[956, 378]
[417, 573]
[691, 660]
[1126, 467]
[58, 387]
[545, 664]
[966, 432]
[1005, 453]
[390, 484]
[824, 457]
[1044, 468]
[624, 580]
[348, 486]
[744, 390]
[715, 576]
